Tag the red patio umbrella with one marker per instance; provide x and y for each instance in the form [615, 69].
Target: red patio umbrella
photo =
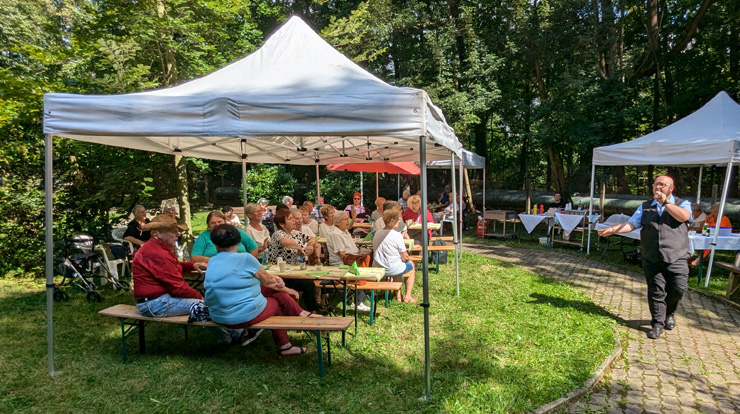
[408, 168]
[379, 167]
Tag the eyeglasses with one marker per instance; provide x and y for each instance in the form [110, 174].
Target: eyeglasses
[357, 198]
[660, 185]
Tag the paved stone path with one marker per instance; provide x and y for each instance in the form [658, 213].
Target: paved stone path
[694, 368]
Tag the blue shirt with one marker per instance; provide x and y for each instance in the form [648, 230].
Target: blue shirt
[233, 293]
[203, 246]
[636, 218]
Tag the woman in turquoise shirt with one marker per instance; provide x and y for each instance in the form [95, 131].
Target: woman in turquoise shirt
[240, 293]
[204, 249]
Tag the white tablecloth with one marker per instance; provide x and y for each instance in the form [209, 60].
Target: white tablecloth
[530, 221]
[569, 221]
[699, 242]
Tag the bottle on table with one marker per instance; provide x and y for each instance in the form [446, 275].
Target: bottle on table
[705, 230]
[542, 209]
[534, 209]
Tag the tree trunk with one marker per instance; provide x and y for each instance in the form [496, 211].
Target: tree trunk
[181, 176]
[558, 171]
[623, 186]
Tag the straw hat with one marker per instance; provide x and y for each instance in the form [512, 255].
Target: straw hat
[164, 222]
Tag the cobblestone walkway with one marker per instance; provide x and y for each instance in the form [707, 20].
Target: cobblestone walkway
[693, 368]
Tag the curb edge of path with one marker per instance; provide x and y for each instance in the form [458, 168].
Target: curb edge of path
[588, 385]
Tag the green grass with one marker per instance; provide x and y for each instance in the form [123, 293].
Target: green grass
[717, 282]
[511, 342]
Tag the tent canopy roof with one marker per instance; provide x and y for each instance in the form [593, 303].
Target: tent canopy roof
[470, 159]
[709, 136]
[295, 100]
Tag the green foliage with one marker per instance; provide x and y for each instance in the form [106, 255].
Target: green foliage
[269, 181]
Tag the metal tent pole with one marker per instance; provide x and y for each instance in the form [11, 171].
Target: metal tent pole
[454, 220]
[49, 220]
[725, 189]
[425, 267]
[318, 186]
[698, 190]
[362, 190]
[377, 188]
[244, 177]
[459, 223]
[591, 207]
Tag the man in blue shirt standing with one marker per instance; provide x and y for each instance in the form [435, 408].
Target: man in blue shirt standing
[665, 250]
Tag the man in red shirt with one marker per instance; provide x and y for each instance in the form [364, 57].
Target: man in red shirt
[159, 287]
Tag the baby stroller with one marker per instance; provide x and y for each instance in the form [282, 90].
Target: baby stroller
[78, 270]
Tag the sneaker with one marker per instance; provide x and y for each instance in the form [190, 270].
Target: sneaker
[249, 336]
[363, 308]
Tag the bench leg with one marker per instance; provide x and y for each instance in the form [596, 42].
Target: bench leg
[344, 310]
[142, 342]
[123, 340]
[372, 307]
[319, 350]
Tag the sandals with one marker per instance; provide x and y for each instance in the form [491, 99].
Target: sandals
[410, 300]
[281, 351]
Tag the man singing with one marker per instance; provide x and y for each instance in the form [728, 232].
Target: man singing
[665, 250]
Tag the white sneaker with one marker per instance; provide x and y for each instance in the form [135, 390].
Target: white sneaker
[363, 308]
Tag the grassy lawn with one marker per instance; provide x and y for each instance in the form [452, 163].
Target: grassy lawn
[614, 256]
[511, 342]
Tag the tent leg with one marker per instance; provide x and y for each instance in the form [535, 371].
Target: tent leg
[725, 189]
[591, 207]
[455, 238]
[698, 190]
[318, 187]
[425, 267]
[458, 249]
[49, 219]
[244, 186]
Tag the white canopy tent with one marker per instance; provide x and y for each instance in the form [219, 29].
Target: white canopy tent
[709, 136]
[469, 160]
[295, 100]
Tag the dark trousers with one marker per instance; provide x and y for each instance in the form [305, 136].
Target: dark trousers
[666, 282]
[307, 290]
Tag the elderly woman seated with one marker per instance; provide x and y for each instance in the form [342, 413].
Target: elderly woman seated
[240, 293]
[390, 254]
[313, 248]
[308, 222]
[231, 217]
[327, 227]
[135, 232]
[256, 230]
[292, 245]
[342, 249]
[413, 214]
[204, 249]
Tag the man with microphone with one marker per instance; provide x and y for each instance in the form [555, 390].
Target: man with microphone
[665, 250]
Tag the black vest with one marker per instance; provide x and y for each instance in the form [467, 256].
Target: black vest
[663, 237]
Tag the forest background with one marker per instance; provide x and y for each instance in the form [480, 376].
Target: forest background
[532, 85]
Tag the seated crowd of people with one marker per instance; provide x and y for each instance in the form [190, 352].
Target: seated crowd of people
[239, 292]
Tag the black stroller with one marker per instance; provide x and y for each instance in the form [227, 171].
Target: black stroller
[79, 268]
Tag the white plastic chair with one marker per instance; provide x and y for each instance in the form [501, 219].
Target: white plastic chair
[117, 234]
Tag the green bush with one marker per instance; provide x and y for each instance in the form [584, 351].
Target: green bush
[272, 182]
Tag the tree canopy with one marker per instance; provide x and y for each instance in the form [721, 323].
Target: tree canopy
[531, 85]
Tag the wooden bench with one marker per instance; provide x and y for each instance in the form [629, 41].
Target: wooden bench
[368, 286]
[431, 248]
[733, 282]
[132, 321]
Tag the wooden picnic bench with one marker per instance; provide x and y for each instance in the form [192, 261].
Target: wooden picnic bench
[368, 286]
[431, 248]
[733, 282]
[132, 321]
